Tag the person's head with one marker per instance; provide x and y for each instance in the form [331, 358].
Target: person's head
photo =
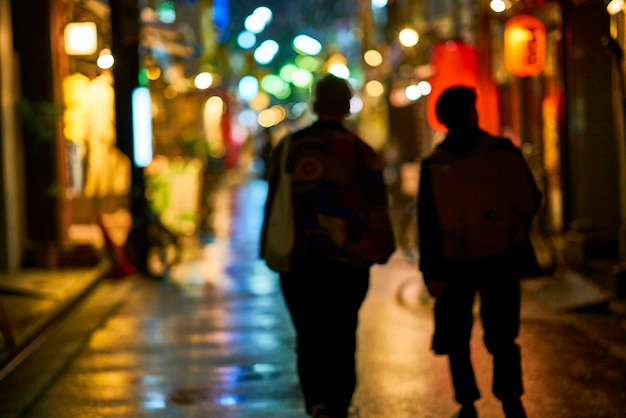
[456, 107]
[332, 98]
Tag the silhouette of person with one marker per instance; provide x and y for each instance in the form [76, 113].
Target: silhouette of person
[342, 227]
[476, 202]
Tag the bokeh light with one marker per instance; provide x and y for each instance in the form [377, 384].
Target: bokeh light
[203, 81]
[302, 78]
[248, 87]
[374, 88]
[408, 37]
[309, 63]
[253, 24]
[339, 70]
[167, 12]
[286, 72]
[266, 52]
[356, 105]
[276, 86]
[373, 58]
[272, 116]
[307, 45]
[246, 40]
[264, 14]
[105, 59]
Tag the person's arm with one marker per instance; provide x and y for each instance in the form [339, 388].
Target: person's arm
[528, 193]
[429, 233]
[378, 243]
[272, 174]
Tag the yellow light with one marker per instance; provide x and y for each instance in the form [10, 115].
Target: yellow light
[615, 6]
[408, 37]
[267, 118]
[154, 73]
[214, 107]
[373, 58]
[81, 38]
[170, 92]
[203, 81]
[336, 59]
[374, 88]
[498, 6]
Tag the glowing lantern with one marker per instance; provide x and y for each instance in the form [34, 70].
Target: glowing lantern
[81, 38]
[454, 63]
[524, 46]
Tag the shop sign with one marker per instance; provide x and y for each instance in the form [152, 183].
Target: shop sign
[524, 46]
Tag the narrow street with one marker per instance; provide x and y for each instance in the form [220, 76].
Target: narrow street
[214, 340]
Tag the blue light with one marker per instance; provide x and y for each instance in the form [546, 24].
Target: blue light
[246, 40]
[154, 400]
[142, 126]
[229, 400]
[221, 19]
[167, 12]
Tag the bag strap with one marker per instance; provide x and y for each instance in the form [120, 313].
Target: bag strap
[285, 153]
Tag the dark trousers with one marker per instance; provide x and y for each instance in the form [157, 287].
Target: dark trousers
[499, 289]
[324, 301]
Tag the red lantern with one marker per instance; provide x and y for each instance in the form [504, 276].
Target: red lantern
[524, 46]
[455, 63]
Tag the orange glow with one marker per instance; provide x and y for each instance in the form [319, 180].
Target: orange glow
[454, 63]
[524, 46]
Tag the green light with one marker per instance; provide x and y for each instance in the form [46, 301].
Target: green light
[284, 93]
[143, 81]
[167, 12]
[275, 86]
[286, 73]
[302, 78]
[309, 63]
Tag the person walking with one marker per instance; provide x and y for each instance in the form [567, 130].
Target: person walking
[476, 202]
[342, 227]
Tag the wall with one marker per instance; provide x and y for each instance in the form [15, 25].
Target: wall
[591, 164]
[11, 221]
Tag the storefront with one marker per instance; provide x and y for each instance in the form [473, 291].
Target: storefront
[68, 158]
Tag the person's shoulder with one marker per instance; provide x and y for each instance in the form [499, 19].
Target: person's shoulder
[305, 131]
[367, 153]
[501, 143]
[363, 146]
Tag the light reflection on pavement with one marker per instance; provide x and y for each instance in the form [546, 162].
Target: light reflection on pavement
[215, 340]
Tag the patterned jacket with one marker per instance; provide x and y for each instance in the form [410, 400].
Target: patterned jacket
[339, 197]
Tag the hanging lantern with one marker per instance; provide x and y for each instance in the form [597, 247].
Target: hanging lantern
[81, 38]
[454, 63]
[524, 46]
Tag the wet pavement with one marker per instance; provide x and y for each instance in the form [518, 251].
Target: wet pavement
[214, 340]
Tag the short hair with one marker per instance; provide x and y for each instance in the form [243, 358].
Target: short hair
[455, 105]
[332, 95]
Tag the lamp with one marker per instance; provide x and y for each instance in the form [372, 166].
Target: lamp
[524, 45]
[614, 6]
[81, 38]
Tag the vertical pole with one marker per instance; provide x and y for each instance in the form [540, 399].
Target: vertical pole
[125, 46]
[11, 194]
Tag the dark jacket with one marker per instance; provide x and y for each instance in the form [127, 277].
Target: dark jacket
[433, 263]
[340, 200]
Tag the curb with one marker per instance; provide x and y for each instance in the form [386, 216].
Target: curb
[39, 335]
